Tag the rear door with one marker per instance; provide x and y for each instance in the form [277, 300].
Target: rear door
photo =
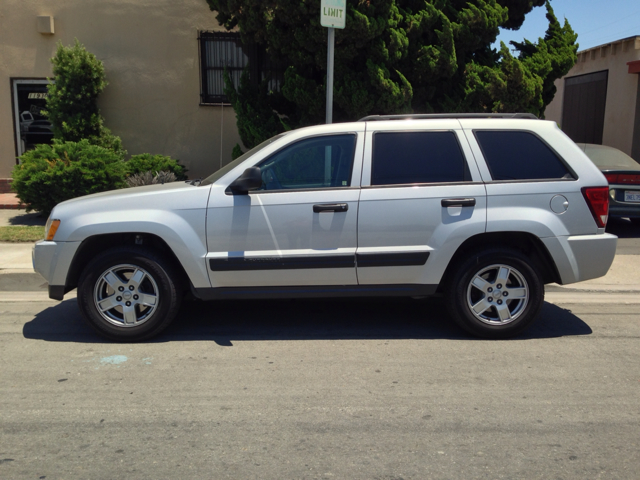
[422, 196]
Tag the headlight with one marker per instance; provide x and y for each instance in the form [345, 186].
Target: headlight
[51, 228]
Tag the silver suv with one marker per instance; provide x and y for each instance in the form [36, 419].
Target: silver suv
[482, 209]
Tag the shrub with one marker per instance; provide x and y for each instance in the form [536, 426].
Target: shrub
[149, 178]
[146, 162]
[50, 174]
[72, 105]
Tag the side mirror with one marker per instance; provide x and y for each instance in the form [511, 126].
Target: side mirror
[249, 180]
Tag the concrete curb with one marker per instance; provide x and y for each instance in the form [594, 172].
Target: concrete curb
[26, 280]
[22, 280]
[623, 278]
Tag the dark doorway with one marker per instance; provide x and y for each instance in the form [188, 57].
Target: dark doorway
[31, 126]
[585, 99]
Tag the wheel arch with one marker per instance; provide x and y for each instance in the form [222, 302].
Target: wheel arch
[93, 245]
[524, 242]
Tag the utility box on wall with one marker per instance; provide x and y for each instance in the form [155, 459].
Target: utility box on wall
[45, 25]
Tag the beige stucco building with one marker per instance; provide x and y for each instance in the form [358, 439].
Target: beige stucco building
[151, 53]
[598, 101]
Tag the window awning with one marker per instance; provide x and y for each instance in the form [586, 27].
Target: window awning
[634, 67]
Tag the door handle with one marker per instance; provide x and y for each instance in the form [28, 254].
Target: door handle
[458, 202]
[330, 207]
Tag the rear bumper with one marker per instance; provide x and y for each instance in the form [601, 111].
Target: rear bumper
[618, 207]
[624, 210]
[582, 257]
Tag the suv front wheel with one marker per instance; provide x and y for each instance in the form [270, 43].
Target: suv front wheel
[494, 293]
[128, 294]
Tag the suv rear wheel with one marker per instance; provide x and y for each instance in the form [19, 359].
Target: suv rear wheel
[494, 293]
[128, 294]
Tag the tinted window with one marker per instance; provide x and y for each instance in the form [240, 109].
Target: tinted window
[214, 177]
[518, 156]
[417, 157]
[318, 162]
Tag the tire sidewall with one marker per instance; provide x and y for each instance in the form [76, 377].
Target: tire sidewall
[160, 271]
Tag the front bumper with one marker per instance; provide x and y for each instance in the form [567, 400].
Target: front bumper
[52, 260]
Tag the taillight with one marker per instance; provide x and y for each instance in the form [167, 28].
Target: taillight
[622, 178]
[598, 200]
[611, 178]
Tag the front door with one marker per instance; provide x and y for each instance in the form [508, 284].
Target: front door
[299, 229]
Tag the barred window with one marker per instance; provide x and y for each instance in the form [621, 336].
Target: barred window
[220, 50]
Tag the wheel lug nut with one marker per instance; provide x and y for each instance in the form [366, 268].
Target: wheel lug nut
[499, 286]
[489, 289]
[121, 289]
[119, 299]
[505, 294]
[490, 299]
[135, 297]
[130, 287]
[128, 304]
[499, 302]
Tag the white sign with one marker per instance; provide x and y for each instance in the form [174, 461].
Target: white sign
[333, 13]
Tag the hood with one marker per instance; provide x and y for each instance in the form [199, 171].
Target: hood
[170, 196]
[133, 192]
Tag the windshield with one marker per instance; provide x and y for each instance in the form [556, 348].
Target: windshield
[215, 176]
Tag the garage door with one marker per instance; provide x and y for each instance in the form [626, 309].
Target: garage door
[585, 98]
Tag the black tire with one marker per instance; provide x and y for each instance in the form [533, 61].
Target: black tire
[137, 290]
[635, 221]
[503, 309]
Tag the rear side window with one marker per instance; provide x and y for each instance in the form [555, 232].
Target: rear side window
[417, 157]
[516, 155]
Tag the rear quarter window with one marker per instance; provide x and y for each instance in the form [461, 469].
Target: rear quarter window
[417, 157]
[517, 155]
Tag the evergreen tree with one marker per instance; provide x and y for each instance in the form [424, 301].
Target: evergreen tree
[399, 56]
[72, 99]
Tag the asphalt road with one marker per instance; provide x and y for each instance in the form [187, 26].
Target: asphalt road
[357, 389]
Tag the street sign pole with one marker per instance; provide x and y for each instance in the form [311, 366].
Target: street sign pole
[332, 16]
[331, 39]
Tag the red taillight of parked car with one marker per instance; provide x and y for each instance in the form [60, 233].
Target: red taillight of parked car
[598, 200]
[622, 178]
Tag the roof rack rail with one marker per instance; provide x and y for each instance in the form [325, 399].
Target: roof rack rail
[426, 116]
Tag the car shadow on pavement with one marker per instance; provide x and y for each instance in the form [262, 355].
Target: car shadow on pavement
[224, 322]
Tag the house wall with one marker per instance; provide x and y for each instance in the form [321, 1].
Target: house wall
[150, 52]
[621, 112]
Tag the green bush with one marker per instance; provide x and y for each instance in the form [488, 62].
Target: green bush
[150, 178]
[146, 162]
[50, 174]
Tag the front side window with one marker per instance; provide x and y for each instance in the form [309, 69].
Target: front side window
[417, 157]
[318, 162]
[518, 155]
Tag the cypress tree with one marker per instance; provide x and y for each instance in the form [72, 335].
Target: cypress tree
[397, 56]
